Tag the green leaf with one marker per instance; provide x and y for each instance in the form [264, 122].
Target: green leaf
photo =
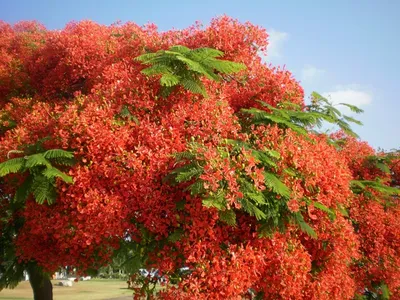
[357, 183]
[12, 272]
[353, 108]
[224, 66]
[258, 198]
[194, 86]
[186, 155]
[299, 220]
[64, 161]
[193, 65]
[272, 153]
[203, 53]
[282, 120]
[379, 162]
[266, 229]
[290, 172]
[180, 205]
[346, 128]
[24, 190]
[383, 167]
[156, 70]
[322, 207]
[37, 160]
[333, 112]
[182, 66]
[132, 263]
[351, 119]
[197, 188]
[385, 291]
[13, 165]
[180, 49]
[169, 80]
[187, 172]
[125, 113]
[212, 202]
[343, 211]
[43, 190]
[228, 216]
[52, 172]
[58, 153]
[176, 235]
[264, 158]
[316, 97]
[217, 201]
[276, 185]
[147, 57]
[360, 185]
[251, 209]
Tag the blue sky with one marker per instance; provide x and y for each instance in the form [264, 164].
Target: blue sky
[347, 50]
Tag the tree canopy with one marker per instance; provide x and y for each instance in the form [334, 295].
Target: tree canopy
[184, 149]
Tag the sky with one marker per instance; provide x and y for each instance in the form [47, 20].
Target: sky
[345, 50]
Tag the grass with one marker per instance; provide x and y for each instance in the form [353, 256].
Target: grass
[95, 289]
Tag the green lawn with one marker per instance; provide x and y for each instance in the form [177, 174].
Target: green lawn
[94, 289]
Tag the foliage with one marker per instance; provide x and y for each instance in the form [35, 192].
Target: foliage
[41, 183]
[190, 153]
[42, 175]
[183, 66]
[11, 272]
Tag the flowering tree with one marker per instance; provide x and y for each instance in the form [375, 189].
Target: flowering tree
[179, 149]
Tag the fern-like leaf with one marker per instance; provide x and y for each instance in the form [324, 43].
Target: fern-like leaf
[217, 201]
[24, 190]
[195, 86]
[64, 161]
[13, 165]
[169, 80]
[36, 160]
[224, 66]
[228, 216]
[358, 186]
[186, 155]
[251, 209]
[187, 172]
[157, 69]
[205, 52]
[196, 188]
[258, 198]
[299, 220]
[353, 108]
[58, 153]
[182, 66]
[264, 157]
[52, 172]
[180, 49]
[322, 207]
[351, 119]
[176, 235]
[43, 190]
[276, 185]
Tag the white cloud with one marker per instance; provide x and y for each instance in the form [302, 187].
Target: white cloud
[310, 73]
[351, 94]
[276, 40]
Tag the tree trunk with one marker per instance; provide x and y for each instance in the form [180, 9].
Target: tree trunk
[40, 283]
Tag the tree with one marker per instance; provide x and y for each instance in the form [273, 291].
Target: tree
[189, 151]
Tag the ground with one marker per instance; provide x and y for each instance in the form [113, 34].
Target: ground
[94, 289]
